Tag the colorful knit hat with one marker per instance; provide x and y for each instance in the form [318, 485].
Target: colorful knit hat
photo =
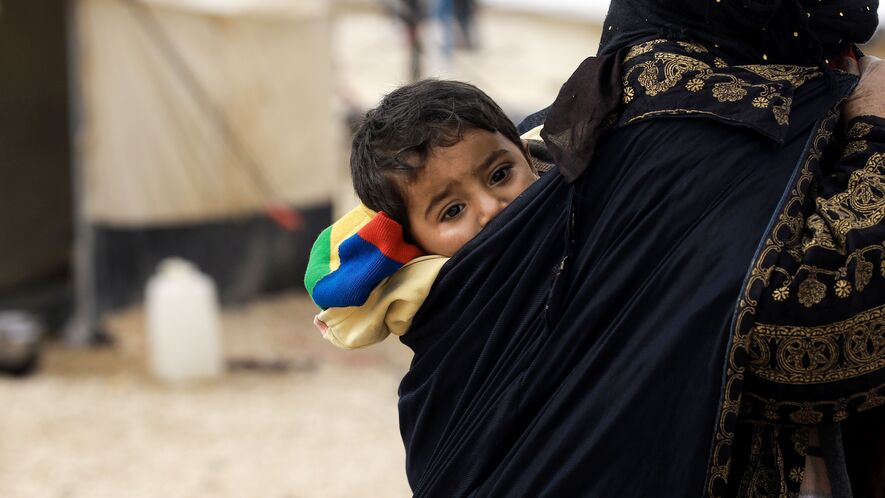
[351, 257]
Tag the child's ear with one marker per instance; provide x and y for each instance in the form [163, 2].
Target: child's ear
[528, 156]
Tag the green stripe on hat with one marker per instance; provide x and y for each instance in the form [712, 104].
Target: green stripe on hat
[318, 266]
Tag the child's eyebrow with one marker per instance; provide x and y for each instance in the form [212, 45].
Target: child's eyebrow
[492, 157]
[436, 199]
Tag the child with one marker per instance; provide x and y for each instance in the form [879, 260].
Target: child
[433, 163]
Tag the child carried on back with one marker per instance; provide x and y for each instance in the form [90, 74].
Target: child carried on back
[433, 163]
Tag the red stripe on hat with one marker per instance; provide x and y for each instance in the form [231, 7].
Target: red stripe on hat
[387, 235]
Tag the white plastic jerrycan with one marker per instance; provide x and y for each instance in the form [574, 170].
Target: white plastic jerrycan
[182, 323]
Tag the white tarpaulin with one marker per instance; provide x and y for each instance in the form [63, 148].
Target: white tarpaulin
[200, 109]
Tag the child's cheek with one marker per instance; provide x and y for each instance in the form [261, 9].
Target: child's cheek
[456, 235]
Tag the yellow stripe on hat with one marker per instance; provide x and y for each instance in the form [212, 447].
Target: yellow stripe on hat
[348, 225]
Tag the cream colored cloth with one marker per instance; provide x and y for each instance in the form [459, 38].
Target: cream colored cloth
[533, 134]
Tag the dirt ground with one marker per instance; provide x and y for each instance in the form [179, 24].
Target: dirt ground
[292, 417]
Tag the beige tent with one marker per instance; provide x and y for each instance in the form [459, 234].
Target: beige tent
[200, 109]
[192, 118]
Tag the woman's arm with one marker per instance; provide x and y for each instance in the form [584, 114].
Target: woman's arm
[868, 99]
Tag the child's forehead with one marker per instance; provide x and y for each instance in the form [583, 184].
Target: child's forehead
[429, 176]
[462, 159]
[420, 161]
[449, 161]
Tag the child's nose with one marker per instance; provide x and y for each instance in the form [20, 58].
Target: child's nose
[489, 207]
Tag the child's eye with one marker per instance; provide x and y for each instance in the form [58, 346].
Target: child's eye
[500, 174]
[452, 212]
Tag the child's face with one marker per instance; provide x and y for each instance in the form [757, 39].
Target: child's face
[462, 187]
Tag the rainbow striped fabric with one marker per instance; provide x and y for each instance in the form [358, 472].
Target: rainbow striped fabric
[351, 257]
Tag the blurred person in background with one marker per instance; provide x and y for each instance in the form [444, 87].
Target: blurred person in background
[444, 17]
[465, 13]
[455, 20]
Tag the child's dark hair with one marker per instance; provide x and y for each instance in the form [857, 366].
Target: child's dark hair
[396, 137]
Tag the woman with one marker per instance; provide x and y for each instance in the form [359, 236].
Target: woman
[695, 298]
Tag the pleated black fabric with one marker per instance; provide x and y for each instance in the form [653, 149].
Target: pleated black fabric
[576, 347]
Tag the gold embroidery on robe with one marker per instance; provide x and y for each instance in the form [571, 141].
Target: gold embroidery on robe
[854, 276]
[642, 48]
[815, 412]
[854, 147]
[666, 70]
[861, 205]
[795, 75]
[859, 130]
[826, 353]
[764, 476]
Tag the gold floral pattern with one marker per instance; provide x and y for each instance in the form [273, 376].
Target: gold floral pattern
[628, 94]
[859, 130]
[765, 472]
[873, 400]
[813, 413]
[656, 67]
[811, 291]
[818, 234]
[729, 91]
[695, 85]
[781, 294]
[664, 71]
[799, 440]
[842, 288]
[807, 415]
[782, 111]
[794, 75]
[643, 48]
[761, 102]
[692, 47]
[854, 147]
[802, 354]
[826, 353]
[861, 205]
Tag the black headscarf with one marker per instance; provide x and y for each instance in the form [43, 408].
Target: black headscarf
[800, 32]
[795, 32]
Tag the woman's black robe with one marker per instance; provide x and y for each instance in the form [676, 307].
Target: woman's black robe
[601, 336]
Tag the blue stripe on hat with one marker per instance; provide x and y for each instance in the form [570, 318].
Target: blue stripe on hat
[363, 266]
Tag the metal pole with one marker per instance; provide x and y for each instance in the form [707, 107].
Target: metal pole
[413, 20]
[82, 325]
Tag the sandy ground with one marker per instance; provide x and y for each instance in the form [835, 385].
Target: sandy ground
[293, 417]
